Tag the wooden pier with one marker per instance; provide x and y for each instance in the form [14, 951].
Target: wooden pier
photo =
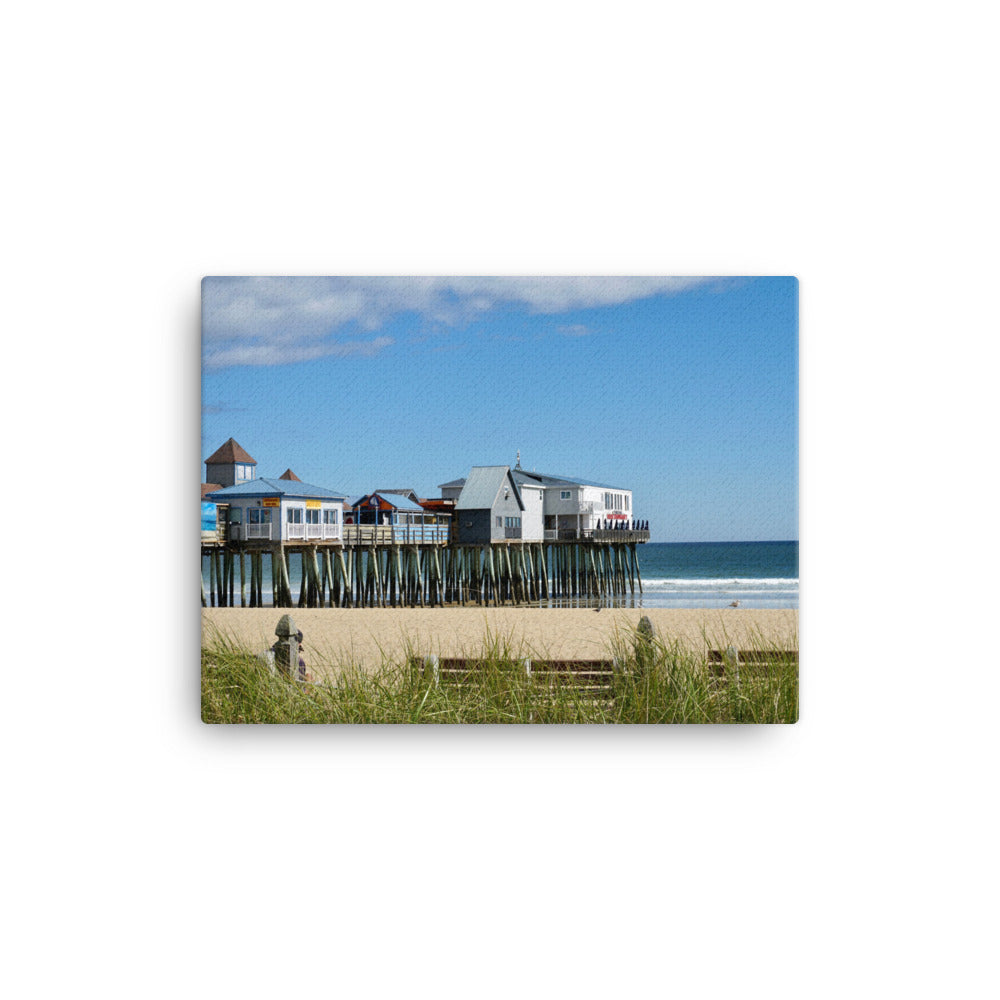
[377, 573]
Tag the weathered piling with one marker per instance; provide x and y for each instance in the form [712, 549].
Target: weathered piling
[383, 574]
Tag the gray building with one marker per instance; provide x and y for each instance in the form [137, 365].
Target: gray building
[490, 507]
[229, 465]
[561, 507]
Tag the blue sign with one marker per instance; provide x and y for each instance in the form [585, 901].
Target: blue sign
[208, 518]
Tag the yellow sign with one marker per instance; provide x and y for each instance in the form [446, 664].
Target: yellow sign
[313, 504]
[270, 502]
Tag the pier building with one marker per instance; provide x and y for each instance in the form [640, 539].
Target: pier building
[281, 510]
[571, 508]
[500, 535]
[398, 516]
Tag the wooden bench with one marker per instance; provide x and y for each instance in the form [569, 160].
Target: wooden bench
[592, 677]
[754, 661]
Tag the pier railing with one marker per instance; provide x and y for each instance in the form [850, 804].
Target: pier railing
[595, 535]
[389, 534]
[618, 536]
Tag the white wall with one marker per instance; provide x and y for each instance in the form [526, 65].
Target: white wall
[531, 517]
[583, 495]
[279, 526]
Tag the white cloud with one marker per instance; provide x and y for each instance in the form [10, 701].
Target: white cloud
[268, 321]
[285, 351]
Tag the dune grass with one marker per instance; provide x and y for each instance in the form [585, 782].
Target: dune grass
[656, 682]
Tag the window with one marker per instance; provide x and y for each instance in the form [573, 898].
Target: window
[312, 517]
[329, 517]
[294, 515]
[564, 494]
[244, 471]
[257, 516]
[626, 501]
[499, 521]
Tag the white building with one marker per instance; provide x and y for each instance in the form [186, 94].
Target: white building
[282, 510]
[561, 506]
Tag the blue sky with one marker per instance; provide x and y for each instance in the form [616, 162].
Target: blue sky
[684, 390]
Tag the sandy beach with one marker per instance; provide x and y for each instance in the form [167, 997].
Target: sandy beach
[362, 637]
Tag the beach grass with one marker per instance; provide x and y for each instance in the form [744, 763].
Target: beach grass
[655, 681]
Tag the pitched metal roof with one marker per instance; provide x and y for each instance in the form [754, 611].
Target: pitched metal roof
[544, 479]
[228, 453]
[276, 487]
[406, 493]
[521, 476]
[395, 500]
[483, 486]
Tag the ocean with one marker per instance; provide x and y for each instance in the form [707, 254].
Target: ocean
[714, 574]
[684, 575]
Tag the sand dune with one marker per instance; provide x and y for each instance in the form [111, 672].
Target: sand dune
[333, 636]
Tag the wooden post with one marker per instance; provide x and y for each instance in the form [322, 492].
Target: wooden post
[317, 582]
[638, 574]
[493, 575]
[279, 577]
[379, 577]
[345, 576]
[438, 582]
[331, 578]
[417, 563]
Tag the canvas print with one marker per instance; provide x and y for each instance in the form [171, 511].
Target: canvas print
[486, 500]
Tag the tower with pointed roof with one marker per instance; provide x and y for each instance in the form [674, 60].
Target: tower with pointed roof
[230, 465]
